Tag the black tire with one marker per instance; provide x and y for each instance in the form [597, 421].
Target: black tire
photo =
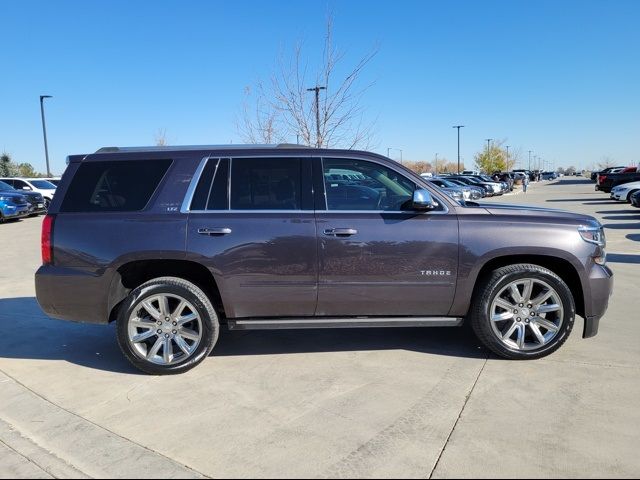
[173, 286]
[630, 194]
[480, 314]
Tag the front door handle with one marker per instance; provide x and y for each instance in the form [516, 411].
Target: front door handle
[214, 231]
[340, 232]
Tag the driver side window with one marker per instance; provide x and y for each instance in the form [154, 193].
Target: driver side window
[361, 185]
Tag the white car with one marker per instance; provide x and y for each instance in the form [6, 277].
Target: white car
[39, 185]
[624, 191]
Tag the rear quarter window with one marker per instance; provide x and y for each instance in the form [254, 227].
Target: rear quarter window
[115, 186]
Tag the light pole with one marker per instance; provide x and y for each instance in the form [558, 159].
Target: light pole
[489, 154]
[458, 127]
[530, 160]
[44, 132]
[393, 148]
[317, 90]
[507, 158]
[436, 164]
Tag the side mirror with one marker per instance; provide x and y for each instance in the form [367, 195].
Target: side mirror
[422, 200]
[26, 188]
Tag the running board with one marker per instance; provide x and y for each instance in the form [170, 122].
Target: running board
[341, 322]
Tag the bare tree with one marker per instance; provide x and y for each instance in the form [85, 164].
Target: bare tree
[606, 162]
[284, 109]
[160, 137]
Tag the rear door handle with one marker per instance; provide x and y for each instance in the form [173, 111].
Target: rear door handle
[340, 232]
[214, 231]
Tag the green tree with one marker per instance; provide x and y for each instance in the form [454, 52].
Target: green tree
[26, 170]
[492, 159]
[5, 163]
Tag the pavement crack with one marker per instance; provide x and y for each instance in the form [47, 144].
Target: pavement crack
[464, 405]
[44, 399]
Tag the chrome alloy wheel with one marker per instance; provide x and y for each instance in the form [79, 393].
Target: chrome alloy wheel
[526, 314]
[164, 329]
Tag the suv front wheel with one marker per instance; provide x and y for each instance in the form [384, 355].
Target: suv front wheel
[167, 326]
[523, 311]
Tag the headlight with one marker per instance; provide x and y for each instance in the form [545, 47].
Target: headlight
[5, 199]
[593, 235]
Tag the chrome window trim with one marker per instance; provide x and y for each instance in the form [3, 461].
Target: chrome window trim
[196, 178]
[186, 203]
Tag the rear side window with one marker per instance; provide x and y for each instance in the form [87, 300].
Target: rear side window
[121, 186]
[212, 192]
[266, 184]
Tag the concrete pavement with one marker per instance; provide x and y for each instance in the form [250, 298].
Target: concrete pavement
[346, 403]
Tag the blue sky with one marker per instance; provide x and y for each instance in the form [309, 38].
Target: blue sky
[561, 78]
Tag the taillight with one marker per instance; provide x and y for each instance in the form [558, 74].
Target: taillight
[47, 240]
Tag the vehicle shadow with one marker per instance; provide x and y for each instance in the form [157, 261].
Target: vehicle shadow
[30, 335]
[597, 201]
[617, 212]
[457, 342]
[27, 333]
[623, 258]
[621, 217]
[563, 182]
[622, 226]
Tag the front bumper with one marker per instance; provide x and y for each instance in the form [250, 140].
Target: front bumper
[620, 196]
[601, 288]
[15, 211]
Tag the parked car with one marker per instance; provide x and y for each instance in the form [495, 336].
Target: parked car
[478, 191]
[594, 175]
[12, 206]
[54, 180]
[505, 177]
[489, 190]
[455, 191]
[624, 191]
[171, 243]
[470, 172]
[35, 200]
[635, 199]
[497, 187]
[609, 180]
[38, 185]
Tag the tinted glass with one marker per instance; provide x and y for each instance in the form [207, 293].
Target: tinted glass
[362, 185]
[219, 193]
[199, 201]
[266, 184]
[42, 184]
[5, 186]
[123, 186]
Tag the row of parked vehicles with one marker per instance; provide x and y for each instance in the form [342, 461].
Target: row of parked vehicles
[471, 185]
[25, 197]
[622, 183]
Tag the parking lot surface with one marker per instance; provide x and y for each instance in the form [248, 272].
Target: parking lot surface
[341, 403]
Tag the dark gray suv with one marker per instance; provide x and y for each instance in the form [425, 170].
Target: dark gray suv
[171, 243]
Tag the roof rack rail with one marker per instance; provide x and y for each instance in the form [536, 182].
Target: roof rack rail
[197, 147]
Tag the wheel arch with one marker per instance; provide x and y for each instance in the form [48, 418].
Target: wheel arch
[558, 265]
[133, 274]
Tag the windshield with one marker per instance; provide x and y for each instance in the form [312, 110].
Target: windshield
[447, 183]
[5, 186]
[473, 180]
[42, 184]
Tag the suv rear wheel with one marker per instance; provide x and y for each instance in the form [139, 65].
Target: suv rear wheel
[167, 326]
[523, 311]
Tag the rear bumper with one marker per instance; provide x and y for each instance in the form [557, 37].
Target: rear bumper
[601, 288]
[73, 294]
